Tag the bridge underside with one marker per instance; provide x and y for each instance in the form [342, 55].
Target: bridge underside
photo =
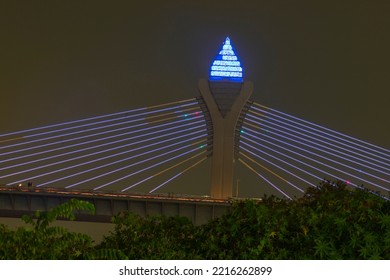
[14, 203]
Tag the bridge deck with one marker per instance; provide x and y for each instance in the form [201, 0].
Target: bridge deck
[15, 202]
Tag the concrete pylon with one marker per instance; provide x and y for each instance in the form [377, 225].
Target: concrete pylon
[225, 102]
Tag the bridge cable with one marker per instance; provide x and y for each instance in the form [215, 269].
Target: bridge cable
[290, 136]
[328, 136]
[151, 166]
[324, 128]
[105, 165]
[262, 177]
[163, 171]
[109, 150]
[178, 174]
[316, 154]
[103, 127]
[99, 117]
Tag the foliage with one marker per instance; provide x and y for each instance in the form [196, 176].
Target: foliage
[153, 237]
[42, 241]
[328, 222]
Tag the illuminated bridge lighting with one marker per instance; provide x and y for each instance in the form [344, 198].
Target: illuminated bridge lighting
[226, 65]
[107, 150]
[264, 178]
[310, 159]
[154, 146]
[143, 119]
[288, 134]
[190, 101]
[318, 138]
[316, 154]
[320, 131]
[161, 133]
[142, 150]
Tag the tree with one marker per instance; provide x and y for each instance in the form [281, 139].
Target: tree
[153, 237]
[42, 241]
[328, 222]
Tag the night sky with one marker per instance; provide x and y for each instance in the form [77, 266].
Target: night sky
[324, 61]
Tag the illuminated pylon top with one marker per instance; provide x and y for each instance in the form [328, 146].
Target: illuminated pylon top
[226, 65]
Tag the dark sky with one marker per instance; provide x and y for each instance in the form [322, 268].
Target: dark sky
[325, 61]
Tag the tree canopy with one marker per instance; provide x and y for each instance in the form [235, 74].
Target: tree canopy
[328, 222]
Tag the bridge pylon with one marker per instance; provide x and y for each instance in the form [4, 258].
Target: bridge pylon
[225, 98]
[226, 104]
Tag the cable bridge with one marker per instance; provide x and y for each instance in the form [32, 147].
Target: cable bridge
[137, 154]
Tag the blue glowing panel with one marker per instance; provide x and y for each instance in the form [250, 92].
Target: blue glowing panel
[226, 65]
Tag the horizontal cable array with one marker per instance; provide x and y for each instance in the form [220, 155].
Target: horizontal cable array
[143, 147]
[290, 154]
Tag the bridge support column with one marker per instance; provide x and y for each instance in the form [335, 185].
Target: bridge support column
[225, 102]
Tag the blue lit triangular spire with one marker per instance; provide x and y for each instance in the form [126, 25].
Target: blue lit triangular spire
[226, 65]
